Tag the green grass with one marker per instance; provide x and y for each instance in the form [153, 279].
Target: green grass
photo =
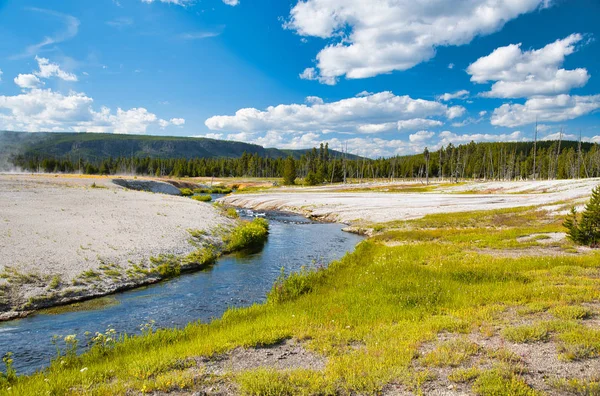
[527, 334]
[186, 192]
[368, 314]
[451, 353]
[202, 198]
[248, 235]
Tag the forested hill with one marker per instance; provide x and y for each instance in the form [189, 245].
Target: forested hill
[95, 147]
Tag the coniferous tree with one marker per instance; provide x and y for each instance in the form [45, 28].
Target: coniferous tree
[586, 230]
[289, 172]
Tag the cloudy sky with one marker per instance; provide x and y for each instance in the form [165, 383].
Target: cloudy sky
[384, 77]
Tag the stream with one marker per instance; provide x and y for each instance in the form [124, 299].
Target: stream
[234, 281]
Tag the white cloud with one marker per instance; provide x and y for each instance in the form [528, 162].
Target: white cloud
[451, 66]
[418, 123]
[560, 136]
[482, 113]
[46, 110]
[462, 94]
[28, 81]
[347, 115]
[37, 109]
[451, 137]
[232, 3]
[310, 73]
[71, 29]
[381, 36]
[545, 109]
[455, 112]
[520, 73]
[173, 121]
[377, 128]
[48, 70]
[313, 100]
[421, 136]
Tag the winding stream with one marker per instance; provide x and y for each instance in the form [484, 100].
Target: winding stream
[233, 281]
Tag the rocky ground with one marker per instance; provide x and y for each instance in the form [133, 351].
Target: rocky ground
[379, 206]
[62, 237]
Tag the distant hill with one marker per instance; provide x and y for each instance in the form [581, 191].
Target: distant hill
[98, 146]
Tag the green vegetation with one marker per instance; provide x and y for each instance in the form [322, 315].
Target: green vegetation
[202, 198]
[585, 230]
[248, 235]
[193, 157]
[289, 172]
[451, 354]
[371, 314]
[186, 192]
[88, 305]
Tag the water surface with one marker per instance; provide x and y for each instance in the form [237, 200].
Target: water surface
[233, 281]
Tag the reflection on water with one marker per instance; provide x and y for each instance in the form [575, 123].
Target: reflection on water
[236, 280]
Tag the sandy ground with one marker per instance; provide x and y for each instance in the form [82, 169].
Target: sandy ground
[61, 226]
[352, 207]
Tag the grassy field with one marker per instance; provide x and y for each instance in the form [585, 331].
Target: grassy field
[441, 303]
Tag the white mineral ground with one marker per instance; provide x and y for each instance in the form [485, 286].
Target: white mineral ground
[375, 207]
[60, 225]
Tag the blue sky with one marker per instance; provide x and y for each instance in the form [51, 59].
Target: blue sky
[384, 77]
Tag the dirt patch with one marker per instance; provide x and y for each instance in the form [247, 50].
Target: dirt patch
[288, 355]
[544, 238]
[527, 252]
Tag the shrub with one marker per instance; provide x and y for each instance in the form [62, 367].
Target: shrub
[248, 235]
[231, 212]
[202, 198]
[585, 229]
[186, 192]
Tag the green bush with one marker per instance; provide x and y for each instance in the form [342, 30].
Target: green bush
[202, 198]
[585, 229]
[186, 192]
[248, 235]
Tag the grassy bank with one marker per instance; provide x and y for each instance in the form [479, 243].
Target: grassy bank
[421, 305]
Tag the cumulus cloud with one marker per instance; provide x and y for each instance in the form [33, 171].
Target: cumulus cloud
[46, 110]
[48, 70]
[381, 36]
[455, 112]
[545, 109]
[418, 123]
[28, 81]
[421, 136]
[313, 100]
[232, 3]
[447, 137]
[518, 73]
[371, 113]
[462, 94]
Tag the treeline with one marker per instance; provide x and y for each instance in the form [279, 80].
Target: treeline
[489, 161]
